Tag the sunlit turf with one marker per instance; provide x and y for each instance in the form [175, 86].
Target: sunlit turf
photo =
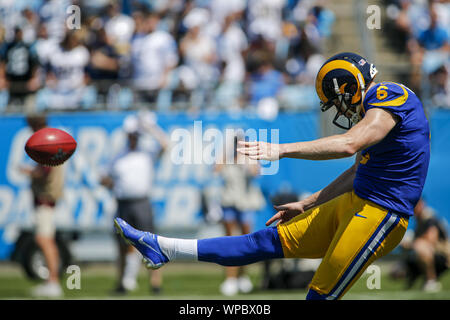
[200, 281]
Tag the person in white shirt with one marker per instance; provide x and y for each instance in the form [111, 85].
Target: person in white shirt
[154, 55]
[67, 82]
[265, 19]
[232, 45]
[53, 14]
[119, 28]
[198, 49]
[130, 177]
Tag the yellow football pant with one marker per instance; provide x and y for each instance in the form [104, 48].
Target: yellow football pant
[348, 233]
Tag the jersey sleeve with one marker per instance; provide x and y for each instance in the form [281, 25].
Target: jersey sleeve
[388, 96]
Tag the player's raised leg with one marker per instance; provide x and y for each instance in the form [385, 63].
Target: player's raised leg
[307, 235]
[227, 251]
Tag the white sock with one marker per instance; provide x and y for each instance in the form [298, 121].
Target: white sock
[178, 249]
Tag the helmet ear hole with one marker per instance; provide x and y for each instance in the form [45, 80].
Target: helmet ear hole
[352, 88]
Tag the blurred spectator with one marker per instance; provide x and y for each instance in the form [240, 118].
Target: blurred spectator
[265, 19]
[424, 25]
[119, 27]
[153, 57]
[322, 19]
[130, 177]
[440, 86]
[18, 69]
[66, 83]
[430, 242]
[232, 44]
[240, 201]
[435, 80]
[410, 17]
[140, 41]
[302, 63]
[198, 51]
[19, 14]
[303, 57]
[103, 67]
[232, 48]
[434, 56]
[47, 184]
[435, 37]
[44, 46]
[53, 15]
[428, 252]
[221, 9]
[29, 22]
[264, 81]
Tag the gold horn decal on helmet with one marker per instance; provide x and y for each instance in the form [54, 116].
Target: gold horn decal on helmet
[337, 64]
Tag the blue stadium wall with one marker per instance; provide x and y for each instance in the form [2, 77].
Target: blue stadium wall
[177, 189]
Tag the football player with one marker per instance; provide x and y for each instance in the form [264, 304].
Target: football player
[359, 217]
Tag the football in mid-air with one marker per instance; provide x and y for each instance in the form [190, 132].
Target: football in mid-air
[50, 146]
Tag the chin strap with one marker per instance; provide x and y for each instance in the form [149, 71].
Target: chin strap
[342, 101]
[343, 98]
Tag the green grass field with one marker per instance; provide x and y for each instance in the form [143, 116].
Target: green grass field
[201, 281]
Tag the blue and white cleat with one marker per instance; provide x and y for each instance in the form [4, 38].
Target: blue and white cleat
[145, 242]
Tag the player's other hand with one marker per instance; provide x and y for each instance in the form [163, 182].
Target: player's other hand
[286, 212]
[259, 150]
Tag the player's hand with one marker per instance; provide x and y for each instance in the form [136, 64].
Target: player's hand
[259, 150]
[286, 212]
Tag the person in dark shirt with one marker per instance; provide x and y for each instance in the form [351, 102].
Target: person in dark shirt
[264, 80]
[18, 67]
[429, 249]
[103, 67]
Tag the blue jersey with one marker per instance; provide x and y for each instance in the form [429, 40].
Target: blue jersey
[392, 172]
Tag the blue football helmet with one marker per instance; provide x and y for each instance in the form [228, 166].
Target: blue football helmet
[341, 82]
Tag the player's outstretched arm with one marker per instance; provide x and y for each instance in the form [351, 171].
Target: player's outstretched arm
[375, 125]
